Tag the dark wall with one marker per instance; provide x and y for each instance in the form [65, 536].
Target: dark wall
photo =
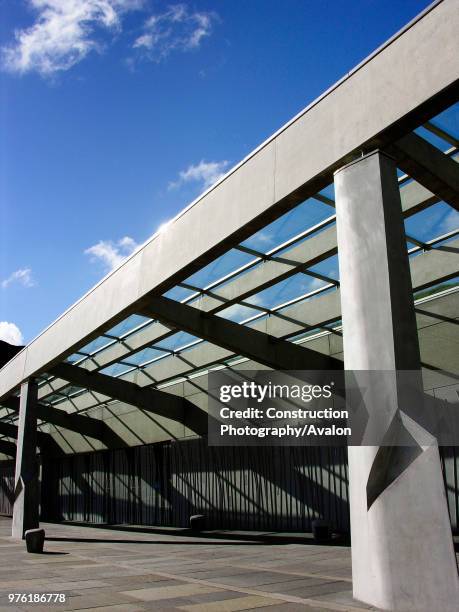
[277, 488]
[6, 487]
[272, 488]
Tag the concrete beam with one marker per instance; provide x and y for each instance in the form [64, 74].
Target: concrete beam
[429, 166]
[273, 179]
[26, 484]
[396, 492]
[240, 339]
[158, 402]
[85, 425]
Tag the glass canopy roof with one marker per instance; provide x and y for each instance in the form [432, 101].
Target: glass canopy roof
[227, 288]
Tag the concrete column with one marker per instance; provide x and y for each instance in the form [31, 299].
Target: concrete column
[26, 493]
[402, 550]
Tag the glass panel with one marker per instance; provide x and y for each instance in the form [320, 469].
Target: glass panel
[329, 191]
[434, 140]
[63, 393]
[238, 313]
[448, 120]
[51, 399]
[74, 357]
[72, 389]
[116, 369]
[143, 356]
[230, 261]
[432, 222]
[127, 325]
[303, 216]
[286, 290]
[285, 251]
[454, 282]
[306, 334]
[178, 294]
[328, 267]
[96, 345]
[177, 341]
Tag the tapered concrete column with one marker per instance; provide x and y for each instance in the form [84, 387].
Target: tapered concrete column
[402, 549]
[26, 493]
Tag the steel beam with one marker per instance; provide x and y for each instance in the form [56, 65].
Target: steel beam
[8, 429]
[429, 166]
[84, 425]
[45, 441]
[12, 431]
[240, 339]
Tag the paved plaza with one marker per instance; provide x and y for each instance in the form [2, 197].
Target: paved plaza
[134, 569]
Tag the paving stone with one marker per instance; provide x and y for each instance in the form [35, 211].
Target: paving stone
[120, 608]
[320, 589]
[143, 579]
[95, 600]
[292, 585]
[221, 573]
[232, 605]
[213, 597]
[180, 590]
[293, 607]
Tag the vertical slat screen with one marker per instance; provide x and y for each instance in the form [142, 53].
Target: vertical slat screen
[267, 488]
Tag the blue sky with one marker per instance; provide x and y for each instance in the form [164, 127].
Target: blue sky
[115, 114]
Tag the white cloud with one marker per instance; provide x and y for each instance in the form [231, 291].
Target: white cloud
[9, 332]
[63, 34]
[206, 173]
[264, 237]
[110, 253]
[177, 29]
[23, 277]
